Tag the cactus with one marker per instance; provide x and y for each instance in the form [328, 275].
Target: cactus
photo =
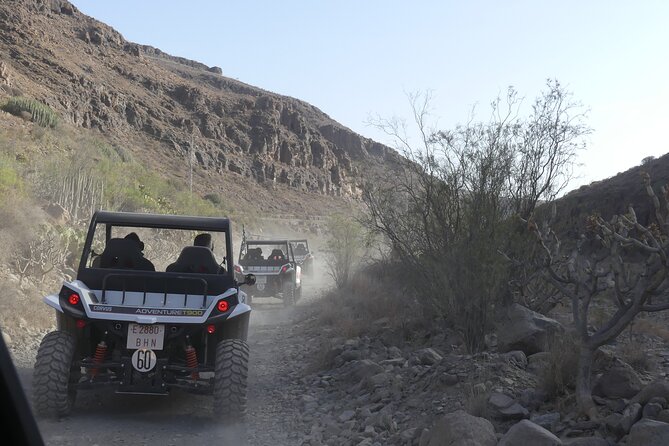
[41, 114]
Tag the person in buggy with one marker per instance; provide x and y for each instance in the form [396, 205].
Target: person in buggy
[124, 253]
[300, 250]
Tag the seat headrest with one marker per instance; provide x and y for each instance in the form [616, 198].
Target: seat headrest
[196, 259]
[120, 253]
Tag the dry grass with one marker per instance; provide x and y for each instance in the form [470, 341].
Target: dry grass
[476, 403]
[559, 376]
[651, 328]
[634, 353]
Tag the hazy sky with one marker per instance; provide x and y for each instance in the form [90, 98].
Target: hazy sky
[353, 58]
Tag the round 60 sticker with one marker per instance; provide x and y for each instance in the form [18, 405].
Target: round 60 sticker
[144, 360]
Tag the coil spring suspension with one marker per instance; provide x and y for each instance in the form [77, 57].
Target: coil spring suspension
[191, 361]
[99, 357]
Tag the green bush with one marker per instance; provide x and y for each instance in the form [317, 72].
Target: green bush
[10, 179]
[214, 198]
[41, 114]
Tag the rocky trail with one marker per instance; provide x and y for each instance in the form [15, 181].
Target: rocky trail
[102, 417]
[309, 386]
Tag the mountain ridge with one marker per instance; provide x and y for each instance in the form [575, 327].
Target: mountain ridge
[139, 95]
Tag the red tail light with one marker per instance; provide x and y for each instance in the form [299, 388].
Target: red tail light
[81, 323]
[239, 269]
[284, 268]
[222, 306]
[211, 329]
[73, 299]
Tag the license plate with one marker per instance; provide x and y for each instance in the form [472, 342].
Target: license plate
[261, 279]
[145, 336]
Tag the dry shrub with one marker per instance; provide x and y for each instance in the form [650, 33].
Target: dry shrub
[476, 403]
[559, 376]
[634, 353]
[323, 358]
[373, 294]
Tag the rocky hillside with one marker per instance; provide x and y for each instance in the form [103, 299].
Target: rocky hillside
[612, 196]
[161, 106]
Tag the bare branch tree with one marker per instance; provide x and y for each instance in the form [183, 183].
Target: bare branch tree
[604, 264]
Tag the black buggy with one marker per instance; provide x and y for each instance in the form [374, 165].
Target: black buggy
[148, 328]
[303, 256]
[273, 265]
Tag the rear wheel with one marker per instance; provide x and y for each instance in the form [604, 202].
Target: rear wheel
[231, 371]
[288, 294]
[54, 388]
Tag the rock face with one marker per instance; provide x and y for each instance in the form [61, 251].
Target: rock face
[96, 79]
[649, 433]
[525, 330]
[527, 433]
[460, 428]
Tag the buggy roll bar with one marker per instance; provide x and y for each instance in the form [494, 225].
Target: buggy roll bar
[141, 220]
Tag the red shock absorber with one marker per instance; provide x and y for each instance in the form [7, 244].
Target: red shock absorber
[98, 357]
[191, 361]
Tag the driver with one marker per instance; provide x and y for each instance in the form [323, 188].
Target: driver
[205, 240]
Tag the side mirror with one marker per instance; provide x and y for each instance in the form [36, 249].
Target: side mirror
[249, 279]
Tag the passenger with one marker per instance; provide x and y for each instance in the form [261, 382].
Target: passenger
[143, 263]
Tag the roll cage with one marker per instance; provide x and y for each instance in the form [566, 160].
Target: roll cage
[156, 281]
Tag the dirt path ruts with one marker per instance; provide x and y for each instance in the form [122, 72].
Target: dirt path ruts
[101, 417]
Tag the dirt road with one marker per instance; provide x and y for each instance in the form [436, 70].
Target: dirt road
[103, 418]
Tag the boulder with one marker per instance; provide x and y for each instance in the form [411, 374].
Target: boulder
[426, 356]
[651, 410]
[506, 408]
[547, 421]
[525, 330]
[532, 398]
[652, 390]
[364, 368]
[460, 428]
[663, 416]
[631, 415]
[346, 415]
[649, 433]
[620, 381]
[528, 433]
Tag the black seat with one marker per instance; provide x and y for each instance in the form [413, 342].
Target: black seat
[277, 254]
[122, 253]
[195, 259]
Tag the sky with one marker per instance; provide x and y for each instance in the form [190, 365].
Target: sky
[358, 58]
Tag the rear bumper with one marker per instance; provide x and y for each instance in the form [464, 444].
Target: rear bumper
[159, 381]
